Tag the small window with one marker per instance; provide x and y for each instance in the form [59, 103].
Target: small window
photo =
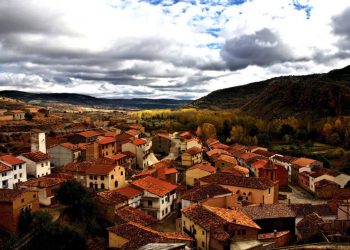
[122, 173]
[116, 184]
[203, 232]
[238, 232]
[91, 185]
[34, 195]
[20, 175]
[203, 244]
[149, 203]
[269, 190]
[102, 178]
[102, 186]
[20, 166]
[112, 176]
[14, 168]
[244, 232]
[15, 176]
[22, 200]
[91, 177]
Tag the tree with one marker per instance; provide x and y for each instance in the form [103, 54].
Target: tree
[72, 193]
[208, 130]
[25, 220]
[237, 133]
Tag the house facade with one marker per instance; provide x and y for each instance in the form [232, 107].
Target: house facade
[64, 153]
[191, 157]
[38, 163]
[18, 167]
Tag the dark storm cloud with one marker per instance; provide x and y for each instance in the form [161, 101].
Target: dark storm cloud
[341, 27]
[262, 48]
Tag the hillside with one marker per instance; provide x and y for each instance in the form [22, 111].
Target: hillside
[77, 99]
[317, 95]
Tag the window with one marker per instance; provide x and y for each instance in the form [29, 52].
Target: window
[34, 195]
[20, 166]
[46, 163]
[149, 203]
[184, 223]
[22, 200]
[102, 178]
[203, 232]
[95, 177]
[102, 186]
[122, 173]
[162, 201]
[238, 232]
[203, 244]
[244, 232]
[116, 184]
[15, 176]
[91, 185]
[269, 190]
[14, 168]
[112, 176]
[163, 212]
[20, 175]
[42, 164]
[91, 177]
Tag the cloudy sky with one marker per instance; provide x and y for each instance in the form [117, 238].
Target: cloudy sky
[166, 48]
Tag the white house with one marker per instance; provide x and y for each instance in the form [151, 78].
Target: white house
[159, 197]
[6, 180]
[18, 167]
[134, 195]
[38, 141]
[142, 149]
[38, 163]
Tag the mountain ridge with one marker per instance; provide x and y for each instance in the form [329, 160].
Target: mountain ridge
[80, 99]
[314, 95]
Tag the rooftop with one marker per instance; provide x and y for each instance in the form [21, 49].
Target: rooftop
[205, 166]
[227, 158]
[37, 156]
[203, 192]
[130, 214]
[194, 150]
[264, 153]
[154, 185]
[9, 195]
[238, 181]
[11, 160]
[42, 182]
[139, 141]
[4, 168]
[268, 211]
[90, 133]
[304, 209]
[303, 162]
[129, 191]
[106, 140]
[113, 197]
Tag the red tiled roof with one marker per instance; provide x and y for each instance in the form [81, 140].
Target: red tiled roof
[203, 192]
[17, 111]
[144, 235]
[133, 132]
[194, 150]
[123, 137]
[139, 141]
[42, 182]
[227, 158]
[247, 156]
[11, 160]
[90, 133]
[4, 168]
[264, 153]
[118, 156]
[238, 181]
[212, 141]
[37, 156]
[80, 167]
[110, 134]
[220, 146]
[154, 185]
[130, 214]
[237, 146]
[129, 191]
[113, 197]
[259, 164]
[268, 211]
[60, 176]
[100, 169]
[303, 162]
[69, 145]
[106, 140]
[204, 166]
[171, 171]
[216, 151]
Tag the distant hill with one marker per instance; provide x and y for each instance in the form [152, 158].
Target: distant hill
[317, 95]
[77, 99]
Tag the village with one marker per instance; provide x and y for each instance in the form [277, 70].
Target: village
[173, 190]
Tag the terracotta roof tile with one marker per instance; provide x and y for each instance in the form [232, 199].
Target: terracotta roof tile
[219, 146]
[194, 150]
[42, 182]
[130, 214]
[106, 140]
[133, 132]
[118, 156]
[303, 161]
[11, 160]
[129, 191]
[69, 145]
[154, 185]
[123, 137]
[268, 211]
[238, 181]
[259, 163]
[216, 151]
[100, 169]
[90, 133]
[248, 156]
[139, 141]
[37, 156]
[112, 197]
[4, 168]
[227, 158]
[203, 192]
[304, 209]
[205, 166]
[264, 153]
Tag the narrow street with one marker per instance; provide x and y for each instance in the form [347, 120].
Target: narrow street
[298, 195]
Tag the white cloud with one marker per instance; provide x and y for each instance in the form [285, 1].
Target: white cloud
[133, 48]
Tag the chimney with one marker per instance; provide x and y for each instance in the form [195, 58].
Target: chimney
[275, 233]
